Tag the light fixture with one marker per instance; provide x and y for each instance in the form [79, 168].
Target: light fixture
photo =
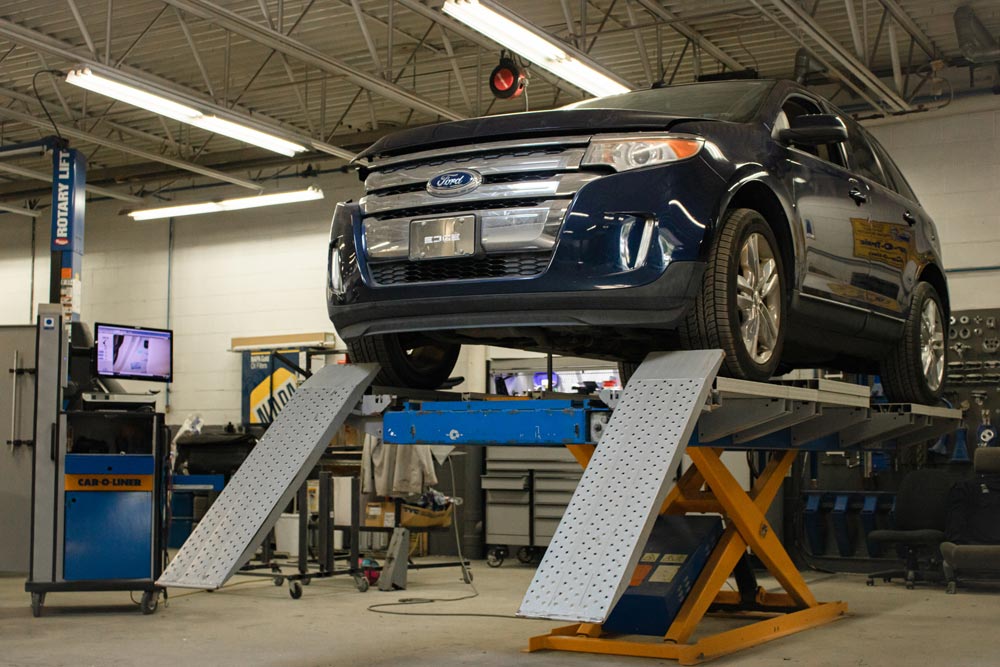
[513, 32]
[102, 84]
[291, 197]
[507, 80]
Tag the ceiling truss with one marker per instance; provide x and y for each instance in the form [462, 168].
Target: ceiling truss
[400, 43]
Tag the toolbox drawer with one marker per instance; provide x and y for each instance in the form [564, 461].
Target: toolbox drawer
[504, 497]
[550, 511]
[532, 454]
[554, 483]
[561, 498]
[504, 482]
[545, 528]
[507, 520]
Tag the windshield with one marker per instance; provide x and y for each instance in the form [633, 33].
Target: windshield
[735, 101]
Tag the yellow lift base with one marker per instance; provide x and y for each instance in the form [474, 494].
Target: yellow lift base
[708, 486]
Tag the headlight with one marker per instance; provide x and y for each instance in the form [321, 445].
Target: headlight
[631, 151]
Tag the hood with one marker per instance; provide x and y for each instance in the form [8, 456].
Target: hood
[516, 125]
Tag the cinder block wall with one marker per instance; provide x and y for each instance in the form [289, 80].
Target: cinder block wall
[253, 272]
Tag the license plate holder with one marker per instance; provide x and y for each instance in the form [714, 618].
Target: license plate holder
[443, 238]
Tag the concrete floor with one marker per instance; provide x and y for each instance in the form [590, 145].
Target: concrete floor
[255, 623]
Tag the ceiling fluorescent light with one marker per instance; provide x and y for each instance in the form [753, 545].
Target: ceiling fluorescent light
[309, 194]
[513, 32]
[84, 77]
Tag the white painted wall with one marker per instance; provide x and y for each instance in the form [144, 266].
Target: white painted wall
[261, 271]
[246, 273]
[951, 158]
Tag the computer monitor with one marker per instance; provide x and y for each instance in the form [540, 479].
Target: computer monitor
[133, 353]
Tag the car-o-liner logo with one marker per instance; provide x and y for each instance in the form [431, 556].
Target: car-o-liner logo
[454, 182]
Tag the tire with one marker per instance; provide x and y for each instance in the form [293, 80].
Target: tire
[625, 371]
[904, 379]
[718, 319]
[406, 360]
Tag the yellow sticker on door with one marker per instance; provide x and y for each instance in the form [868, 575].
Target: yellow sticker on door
[882, 242]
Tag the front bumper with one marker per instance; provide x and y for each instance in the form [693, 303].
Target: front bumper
[661, 304]
[584, 281]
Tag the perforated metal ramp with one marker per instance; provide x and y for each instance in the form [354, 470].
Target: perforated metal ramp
[601, 536]
[251, 503]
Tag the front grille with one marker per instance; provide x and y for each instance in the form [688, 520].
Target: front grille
[445, 208]
[517, 265]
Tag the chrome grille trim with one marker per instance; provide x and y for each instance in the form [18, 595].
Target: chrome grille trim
[501, 229]
[560, 185]
[543, 161]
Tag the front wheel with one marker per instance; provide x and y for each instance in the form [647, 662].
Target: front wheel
[410, 361]
[741, 306]
[914, 371]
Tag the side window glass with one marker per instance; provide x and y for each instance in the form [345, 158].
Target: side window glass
[893, 172]
[863, 157]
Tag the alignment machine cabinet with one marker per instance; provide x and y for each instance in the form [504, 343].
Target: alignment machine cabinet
[98, 467]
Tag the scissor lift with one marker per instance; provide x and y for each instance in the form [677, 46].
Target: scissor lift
[675, 404]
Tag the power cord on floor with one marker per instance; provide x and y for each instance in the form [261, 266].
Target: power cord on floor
[466, 575]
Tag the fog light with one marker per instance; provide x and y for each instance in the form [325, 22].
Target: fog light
[635, 235]
[336, 277]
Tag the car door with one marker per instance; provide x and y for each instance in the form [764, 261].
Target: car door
[833, 210]
[900, 218]
[888, 243]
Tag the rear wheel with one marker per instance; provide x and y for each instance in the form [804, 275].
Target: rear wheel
[914, 371]
[406, 360]
[741, 306]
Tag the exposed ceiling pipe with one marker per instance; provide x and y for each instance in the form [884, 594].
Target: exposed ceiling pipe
[974, 40]
[805, 65]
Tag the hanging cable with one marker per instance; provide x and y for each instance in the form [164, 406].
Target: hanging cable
[34, 87]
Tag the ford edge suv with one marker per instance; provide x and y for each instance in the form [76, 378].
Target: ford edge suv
[751, 216]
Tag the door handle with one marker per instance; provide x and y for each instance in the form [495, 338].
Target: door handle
[909, 217]
[858, 196]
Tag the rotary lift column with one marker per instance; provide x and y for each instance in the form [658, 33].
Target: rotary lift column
[69, 175]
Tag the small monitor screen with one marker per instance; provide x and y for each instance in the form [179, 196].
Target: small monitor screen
[133, 353]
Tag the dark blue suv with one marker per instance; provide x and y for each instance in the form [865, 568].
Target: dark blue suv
[751, 216]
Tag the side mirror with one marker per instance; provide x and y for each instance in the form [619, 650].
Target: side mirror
[813, 130]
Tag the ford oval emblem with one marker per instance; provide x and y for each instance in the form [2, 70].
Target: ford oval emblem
[455, 182]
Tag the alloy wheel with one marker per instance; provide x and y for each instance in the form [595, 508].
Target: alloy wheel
[758, 298]
[932, 345]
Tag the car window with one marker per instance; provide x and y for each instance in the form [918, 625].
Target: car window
[895, 176]
[863, 160]
[798, 106]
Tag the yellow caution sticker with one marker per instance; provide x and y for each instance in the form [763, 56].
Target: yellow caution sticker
[664, 574]
[109, 482]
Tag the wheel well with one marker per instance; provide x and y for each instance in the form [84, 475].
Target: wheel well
[933, 274]
[757, 196]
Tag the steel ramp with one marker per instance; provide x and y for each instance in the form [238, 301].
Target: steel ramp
[250, 505]
[600, 539]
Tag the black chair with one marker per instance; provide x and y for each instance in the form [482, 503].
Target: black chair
[973, 546]
[919, 521]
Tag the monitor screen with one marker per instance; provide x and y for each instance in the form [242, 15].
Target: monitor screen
[133, 353]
